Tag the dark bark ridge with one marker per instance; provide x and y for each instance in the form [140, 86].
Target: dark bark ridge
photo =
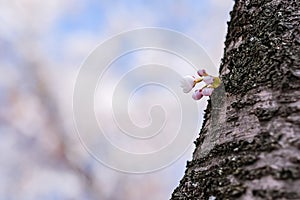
[257, 152]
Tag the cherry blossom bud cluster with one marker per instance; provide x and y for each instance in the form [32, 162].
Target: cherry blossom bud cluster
[211, 82]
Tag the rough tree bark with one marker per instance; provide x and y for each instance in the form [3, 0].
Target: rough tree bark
[249, 146]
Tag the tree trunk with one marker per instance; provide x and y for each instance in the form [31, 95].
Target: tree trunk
[249, 145]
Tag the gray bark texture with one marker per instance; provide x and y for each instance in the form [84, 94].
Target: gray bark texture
[249, 144]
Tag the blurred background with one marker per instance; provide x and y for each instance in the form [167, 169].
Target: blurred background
[42, 45]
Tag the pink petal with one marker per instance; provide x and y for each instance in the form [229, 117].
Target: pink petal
[202, 72]
[197, 95]
[208, 79]
[187, 83]
[207, 91]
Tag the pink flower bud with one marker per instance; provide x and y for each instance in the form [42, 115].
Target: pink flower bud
[197, 95]
[207, 91]
[202, 72]
[208, 79]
